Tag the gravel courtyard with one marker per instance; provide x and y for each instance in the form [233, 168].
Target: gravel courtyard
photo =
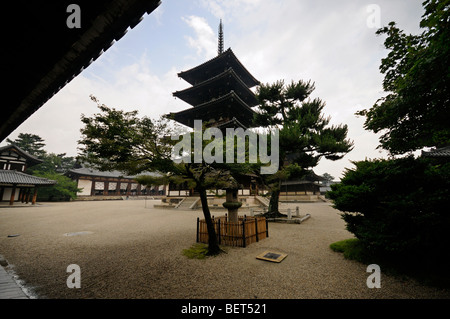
[128, 249]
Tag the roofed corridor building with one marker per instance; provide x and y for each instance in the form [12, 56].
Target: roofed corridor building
[94, 184]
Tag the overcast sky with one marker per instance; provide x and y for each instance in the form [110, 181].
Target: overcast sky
[332, 43]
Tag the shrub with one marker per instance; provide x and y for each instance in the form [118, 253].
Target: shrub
[397, 207]
[351, 249]
[64, 190]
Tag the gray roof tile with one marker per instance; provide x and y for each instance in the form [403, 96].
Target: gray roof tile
[14, 177]
[439, 152]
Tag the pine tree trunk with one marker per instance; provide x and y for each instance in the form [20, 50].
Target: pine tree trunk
[273, 204]
[213, 244]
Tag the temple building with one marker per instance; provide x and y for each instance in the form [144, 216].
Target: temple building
[442, 153]
[220, 94]
[15, 184]
[95, 184]
[304, 189]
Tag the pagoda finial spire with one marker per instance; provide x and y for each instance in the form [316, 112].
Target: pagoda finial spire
[220, 50]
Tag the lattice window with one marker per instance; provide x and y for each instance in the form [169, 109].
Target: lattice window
[112, 186]
[99, 186]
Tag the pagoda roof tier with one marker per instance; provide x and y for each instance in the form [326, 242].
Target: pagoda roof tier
[216, 66]
[217, 112]
[233, 123]
[217, 86]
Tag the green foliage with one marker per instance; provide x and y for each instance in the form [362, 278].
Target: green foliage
[416, 111]
[118, 140]
[351, 249]
[328, 177]
[434, 273]
[304, 131]
[57, 163]
[397, 206]
[30, 143]
[52, 167]
[65, 188]
[196, 251]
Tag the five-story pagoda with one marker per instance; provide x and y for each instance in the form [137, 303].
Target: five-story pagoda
[220, 94]
[221, 97]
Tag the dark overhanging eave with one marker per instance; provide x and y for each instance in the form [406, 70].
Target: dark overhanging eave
[109, 26]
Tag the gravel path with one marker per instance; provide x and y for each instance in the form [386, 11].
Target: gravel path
[127, 250]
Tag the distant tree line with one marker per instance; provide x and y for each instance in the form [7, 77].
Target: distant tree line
[53, 167]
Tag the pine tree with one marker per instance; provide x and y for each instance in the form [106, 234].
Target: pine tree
[30, 143]
[305, 135]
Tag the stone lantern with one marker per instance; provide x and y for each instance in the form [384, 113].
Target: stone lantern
[232, 202]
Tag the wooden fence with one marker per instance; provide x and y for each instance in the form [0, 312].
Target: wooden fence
[246, 231]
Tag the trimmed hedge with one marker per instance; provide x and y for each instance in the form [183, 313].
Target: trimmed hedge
[398, 207]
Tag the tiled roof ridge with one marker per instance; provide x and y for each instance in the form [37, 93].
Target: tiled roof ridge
[26, 154]
[231, 94]
[217, 57]
[228, 71]
[12, 177]
[438, 152]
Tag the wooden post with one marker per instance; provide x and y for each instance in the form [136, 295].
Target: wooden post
[226, 229]
[128, 189]
[256, 229]
[92, 187]
[27, 198]
[218, 230]
[34, 196]
[138, 190]
[243, 232]
[118, 188]
[105, 188]
[198, 222]
[21, 194]
[13, 193]
[267, 228]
